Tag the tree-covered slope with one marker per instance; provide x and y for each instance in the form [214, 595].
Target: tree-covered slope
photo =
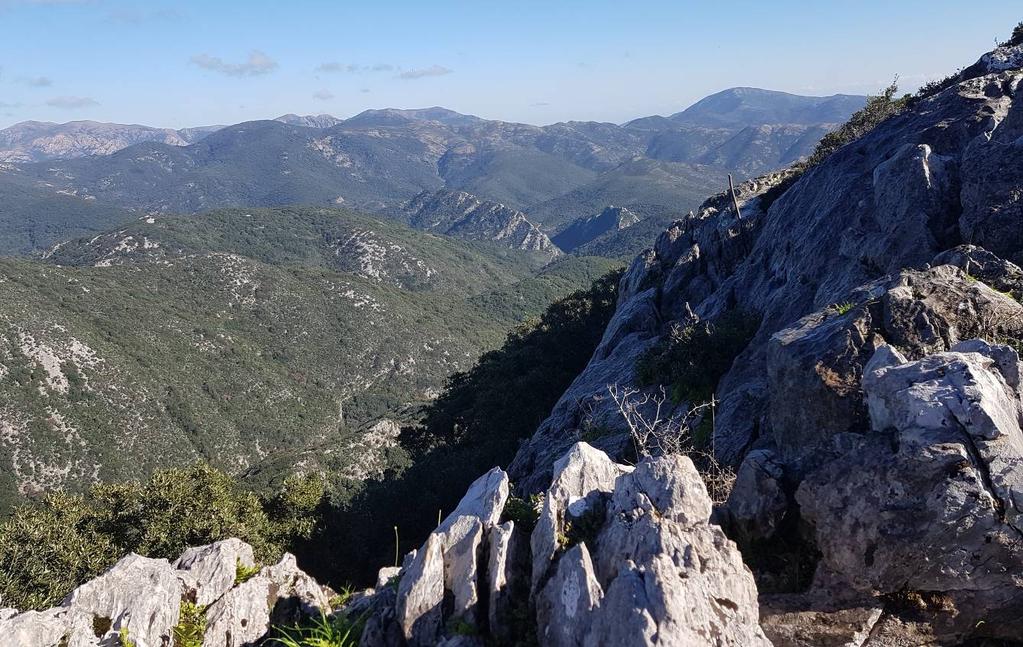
[239, 336]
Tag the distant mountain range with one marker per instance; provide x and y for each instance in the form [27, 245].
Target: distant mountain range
[34, 141]
[378, 160]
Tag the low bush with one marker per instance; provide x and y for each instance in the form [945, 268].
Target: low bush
[693, 359]
[50, 547]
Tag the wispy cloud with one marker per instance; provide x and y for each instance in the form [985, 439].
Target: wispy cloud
[334, 67]
[5, 106]
[423, 72]
[539, 104]
[37, 81]
[257, 64]
[72, 102]
[323, 95]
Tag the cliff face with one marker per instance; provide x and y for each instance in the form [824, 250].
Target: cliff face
[943, 173]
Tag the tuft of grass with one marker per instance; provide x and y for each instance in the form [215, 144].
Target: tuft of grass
[336, 631]
[243, 573]
[463, 628]
[191, 627]
[523, 513]
[123, 639]
[842, 308]
[342, 597]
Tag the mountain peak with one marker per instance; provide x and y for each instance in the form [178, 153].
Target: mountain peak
[748, 106]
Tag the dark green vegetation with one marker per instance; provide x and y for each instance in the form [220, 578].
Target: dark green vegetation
[34, 218]
[878, 109]
[476, 423]
[48, 548]
[246, 338]
[1016, 38]
[341, 530]
[693, 359]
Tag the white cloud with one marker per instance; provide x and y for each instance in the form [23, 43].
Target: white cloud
[433, 70]
[72, 102]
[257, 64]
[323, 95]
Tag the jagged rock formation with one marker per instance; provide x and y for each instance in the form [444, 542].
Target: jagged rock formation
[876, 413]
[143, 598]
[619, 556]
[585, 230]
[463, 215]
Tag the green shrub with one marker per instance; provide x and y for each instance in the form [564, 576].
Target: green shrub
[693, 359]
[191, 627]
[243, 573]
[123, 639]
[336, 631]
[50, 547]
[1016, 38]
[523, 513]
[878, 109]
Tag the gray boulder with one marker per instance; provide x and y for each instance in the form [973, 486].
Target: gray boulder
[214, 567]
[928, 501]
[583, 478]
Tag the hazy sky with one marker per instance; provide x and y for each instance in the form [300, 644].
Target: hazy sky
[192, 63]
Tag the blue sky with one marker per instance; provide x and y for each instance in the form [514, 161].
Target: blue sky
[193, 63]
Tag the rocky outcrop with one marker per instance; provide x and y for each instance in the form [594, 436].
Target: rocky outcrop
[143, 599]
[620, 556]
[463, 215]
[904, 193]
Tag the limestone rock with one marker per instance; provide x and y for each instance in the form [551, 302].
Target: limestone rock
[36, 628]
[139, 594]
[242, 615]
[507, 574]
[420, 594]
[928, 501]
[563, 607]
[758, 502]
[214, 567]
[581, 477]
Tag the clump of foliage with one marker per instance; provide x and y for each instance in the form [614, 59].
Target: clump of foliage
[879, 108]
[191, 627]
[584, 528]
[524, 513]
[1016, 38]
[693, 359]
[50, 547]
[335, 631]
[243, 573]
[123, 639]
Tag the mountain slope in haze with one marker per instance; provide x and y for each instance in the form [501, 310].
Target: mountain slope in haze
[585, 230]
[34, 141]
[381, 158]
[740, 107]
[240, 337]
[462, 215]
